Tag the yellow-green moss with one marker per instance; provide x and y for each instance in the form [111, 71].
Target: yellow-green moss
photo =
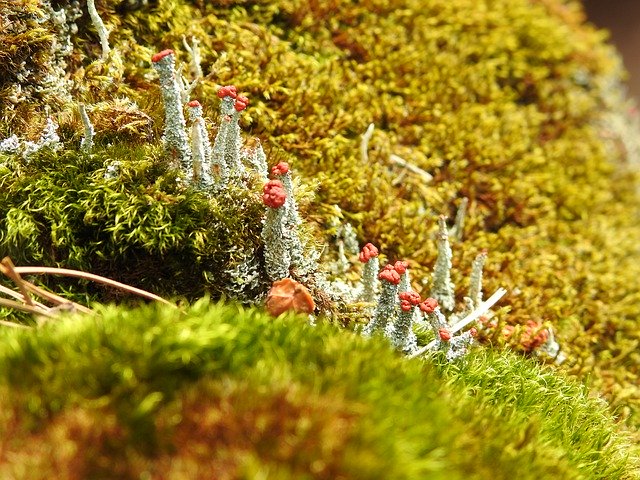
[155, 392]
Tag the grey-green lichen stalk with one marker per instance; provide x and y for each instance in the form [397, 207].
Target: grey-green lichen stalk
[175, 129]
[443, 288]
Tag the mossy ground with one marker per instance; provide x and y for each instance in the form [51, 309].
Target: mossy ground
[140, 226]
[217, 390]
[507, 102]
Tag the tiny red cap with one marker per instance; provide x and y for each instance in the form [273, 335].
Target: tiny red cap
[274, 194]
[241, 103]
[401, 266]
[445, 334]
[280, 169]
[160, 55]
[228, 91]
[390, 275]
[368, 252]
[429, 305]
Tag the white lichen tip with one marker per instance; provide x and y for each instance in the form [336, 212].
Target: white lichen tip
[256, 157]
[194, 51]
[86, 144]
[457, 231]
[200, 146]
[475, 282]
[98, 24]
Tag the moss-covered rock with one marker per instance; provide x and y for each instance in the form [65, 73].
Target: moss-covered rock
[514, 104]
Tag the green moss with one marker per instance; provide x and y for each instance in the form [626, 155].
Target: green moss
[514, 104]
[279, 398]
[140, 227]
[24, 60]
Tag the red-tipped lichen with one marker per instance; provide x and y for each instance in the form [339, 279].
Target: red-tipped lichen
[429, 305]
[408, 300]
[160, 55]
[280, 169]
[368, 252]
[241, 103]
[228, 91]
[274, 194]
[390, 275]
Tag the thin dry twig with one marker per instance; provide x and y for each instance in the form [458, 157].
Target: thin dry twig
[477, 313]
[29, 305]
[364, 143]
[11, 293]
[401, 162]
[55, 299]
[93, 277]
[25, 308]
[17, 296]
[9, 269]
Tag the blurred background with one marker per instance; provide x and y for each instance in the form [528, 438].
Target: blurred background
[622, 19]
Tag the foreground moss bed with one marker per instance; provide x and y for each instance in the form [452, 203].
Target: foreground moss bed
[218, 390]
[514, 104]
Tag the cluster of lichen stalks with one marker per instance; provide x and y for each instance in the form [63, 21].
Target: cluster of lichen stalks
[212, 168]
[397, 306]
[197, 158]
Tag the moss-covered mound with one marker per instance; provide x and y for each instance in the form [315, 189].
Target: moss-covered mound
[138, 226]
[514, 104]
[217, 392]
